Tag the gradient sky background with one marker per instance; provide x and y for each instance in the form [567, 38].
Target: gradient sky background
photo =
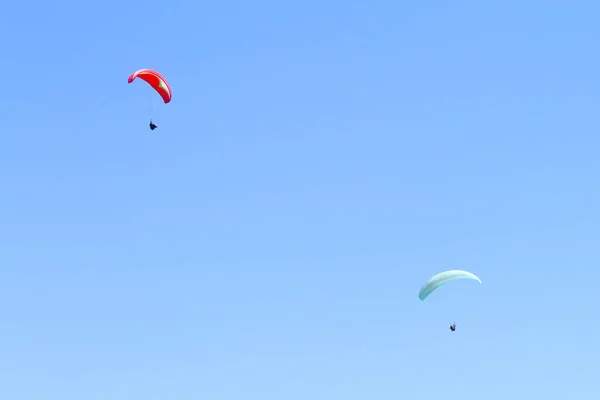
[319, 161]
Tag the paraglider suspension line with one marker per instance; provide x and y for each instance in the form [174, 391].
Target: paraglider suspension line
[153, 108]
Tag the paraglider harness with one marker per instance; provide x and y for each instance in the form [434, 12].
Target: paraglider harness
[153, 126]
[453, 327]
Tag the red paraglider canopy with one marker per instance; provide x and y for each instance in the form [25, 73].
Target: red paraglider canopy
[154, 79]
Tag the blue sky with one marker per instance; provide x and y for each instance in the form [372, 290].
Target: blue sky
[319, 161]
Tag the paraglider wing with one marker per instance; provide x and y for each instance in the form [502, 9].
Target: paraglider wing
[442, 278]
[154, 79]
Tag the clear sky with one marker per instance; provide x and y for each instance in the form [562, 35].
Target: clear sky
[319, 161]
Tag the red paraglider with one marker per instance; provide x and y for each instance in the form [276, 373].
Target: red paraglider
[154, 79]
